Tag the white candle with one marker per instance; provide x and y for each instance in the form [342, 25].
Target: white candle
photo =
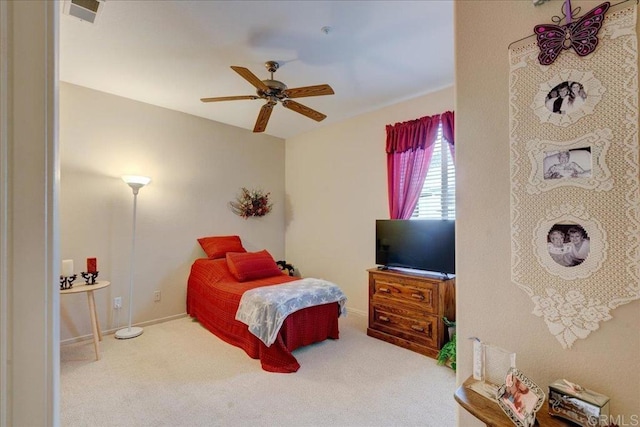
[67, 267]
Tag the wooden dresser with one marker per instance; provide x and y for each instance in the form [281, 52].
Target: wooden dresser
[407, 309]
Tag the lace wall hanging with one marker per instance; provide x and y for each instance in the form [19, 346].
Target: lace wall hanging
[575, 198]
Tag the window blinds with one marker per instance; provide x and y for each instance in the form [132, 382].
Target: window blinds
[438, 197]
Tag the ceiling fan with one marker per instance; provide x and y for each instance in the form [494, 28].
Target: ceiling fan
[273, 91]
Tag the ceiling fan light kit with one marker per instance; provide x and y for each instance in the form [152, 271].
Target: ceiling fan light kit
[274, 91]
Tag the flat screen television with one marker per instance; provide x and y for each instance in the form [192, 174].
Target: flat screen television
[417, 244]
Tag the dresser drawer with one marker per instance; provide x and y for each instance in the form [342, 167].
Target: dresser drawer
[421, 294]
[419, 328]
[407, 309]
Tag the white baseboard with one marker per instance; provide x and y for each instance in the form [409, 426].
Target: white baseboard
[357, 312]
[350, 311]
[113, 331]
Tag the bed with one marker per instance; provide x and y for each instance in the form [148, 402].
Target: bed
[216, 286]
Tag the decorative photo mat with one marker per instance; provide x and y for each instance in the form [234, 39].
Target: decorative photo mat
[591, 87]
[592, 146]
[575, 191]
[572, 217]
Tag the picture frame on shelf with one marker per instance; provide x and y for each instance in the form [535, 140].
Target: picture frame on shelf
[520, 398]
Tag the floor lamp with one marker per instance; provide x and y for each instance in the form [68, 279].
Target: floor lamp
[136, 183]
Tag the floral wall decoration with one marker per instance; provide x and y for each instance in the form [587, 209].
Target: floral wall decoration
[251, 203]
[575, 191]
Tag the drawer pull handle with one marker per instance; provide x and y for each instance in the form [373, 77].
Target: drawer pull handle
[383, 318]
[384, 290]
[418, 296]
[417, 328]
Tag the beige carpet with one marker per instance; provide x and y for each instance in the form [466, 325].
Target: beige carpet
[179, 374]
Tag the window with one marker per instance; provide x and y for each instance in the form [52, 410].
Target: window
[438, 196]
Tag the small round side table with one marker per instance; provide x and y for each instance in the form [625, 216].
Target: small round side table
[95, 326]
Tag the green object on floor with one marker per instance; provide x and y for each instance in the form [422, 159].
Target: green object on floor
[447, 355]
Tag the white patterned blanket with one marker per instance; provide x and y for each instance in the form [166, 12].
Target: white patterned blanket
[264, 309]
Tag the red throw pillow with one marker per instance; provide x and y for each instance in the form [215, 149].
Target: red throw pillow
[252, 265]
[218, 246]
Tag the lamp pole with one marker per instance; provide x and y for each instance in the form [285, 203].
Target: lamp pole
[136, 183]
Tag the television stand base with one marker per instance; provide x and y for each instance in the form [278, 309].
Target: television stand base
[406, 309]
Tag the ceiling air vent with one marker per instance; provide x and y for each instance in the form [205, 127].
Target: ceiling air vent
[86, 10]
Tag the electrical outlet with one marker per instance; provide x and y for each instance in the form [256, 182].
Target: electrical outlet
[117, 303]
[157, 296]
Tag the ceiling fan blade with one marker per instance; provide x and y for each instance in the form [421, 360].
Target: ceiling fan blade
[250, 77]
[301, 92]
[263, 117]
[229, 98]
[304, 110]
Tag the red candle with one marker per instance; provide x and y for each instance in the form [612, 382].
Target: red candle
[92, 265]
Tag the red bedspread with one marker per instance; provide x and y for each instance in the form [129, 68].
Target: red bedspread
[213, 296]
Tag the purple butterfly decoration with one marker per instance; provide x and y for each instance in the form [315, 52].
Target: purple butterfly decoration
[581, 35]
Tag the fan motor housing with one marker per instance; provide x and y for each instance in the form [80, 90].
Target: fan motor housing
[275, 89]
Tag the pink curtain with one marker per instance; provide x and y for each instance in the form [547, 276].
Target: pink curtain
[448, 127]
[409, 149]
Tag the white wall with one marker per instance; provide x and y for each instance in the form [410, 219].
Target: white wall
[197, 166]
[490, 306]
[336, 185]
